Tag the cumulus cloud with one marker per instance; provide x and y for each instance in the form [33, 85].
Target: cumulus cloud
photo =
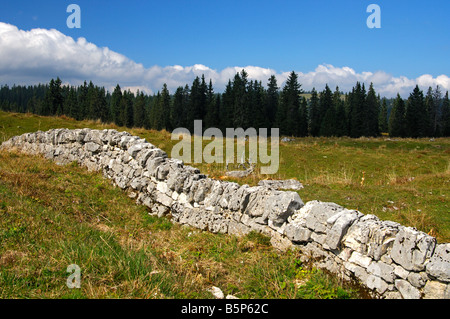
[37, 55]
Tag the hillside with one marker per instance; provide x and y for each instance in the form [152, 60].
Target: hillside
[403, 180]
[53, 216]
[141, 256]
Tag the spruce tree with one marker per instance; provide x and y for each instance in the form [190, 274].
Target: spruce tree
[91, 101]
[327, 114]
[257, 107]
[165, 109]
[416, 116]
[127, 109]
[445, 116]
[272, 97]
[290, 104]
[429, 105]
[70, 104]
[240, 103]
[372, 107]
[227, 110]
[383, 117]
[101, 109]
[212, 113]
[314, 114]
[115, 105]
[83, 106]
[341, 116]
[178, 108]
[197, 102]
[139, 110]
[357, 111]
[302, 129]
[397, 120]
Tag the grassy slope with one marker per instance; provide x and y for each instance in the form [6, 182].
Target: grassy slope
[405, 180]
[53, 216]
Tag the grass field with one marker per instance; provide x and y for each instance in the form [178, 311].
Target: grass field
[404, 180]
[52, 216]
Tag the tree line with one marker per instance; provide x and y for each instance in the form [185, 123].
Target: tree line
[244, 103]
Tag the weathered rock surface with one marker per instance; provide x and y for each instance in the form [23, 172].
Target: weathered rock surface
[281, 184]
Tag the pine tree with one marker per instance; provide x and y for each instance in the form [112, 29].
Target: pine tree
[165, 109]
[327, 114]
[445, 116]
[290, 104]
[240, 103]
[383, 117]
[341, 116]
[212, 113]
[154, 112]
[102, 107]
[197, 102]
[357, 111]
[397, 120]
[416, 116]
[372, 108]
[53, 102]
[437, 111]
[302, 129]
[91, 101]
[430, 110]
[178, 112]
[227, 110]
[257, 106]
[314, 114]
[139, 110]
[58, 100]
[116, 99]
[126, 107]
[272, 100]
[70, 104]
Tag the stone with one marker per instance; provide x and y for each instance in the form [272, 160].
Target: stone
[436, 290]
[411, 248]
[368, 235]
[281, 184]
[417, 279]
[317, 213]
[163, 199]
[358, 271]
[281, 205]
[382, 270]
[153, 163]
[407, 290]
[297, 233]
[338, 225]
[375, 282]
[92, 147]
[360, 259]
[134, 150]
[238, 229]
[216, 292]
[401, 272]
[280, 243]
[256, 206]
[439, 264]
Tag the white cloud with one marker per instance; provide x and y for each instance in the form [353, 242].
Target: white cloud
[30, 57]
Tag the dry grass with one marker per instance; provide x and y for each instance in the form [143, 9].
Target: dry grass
[52, 216]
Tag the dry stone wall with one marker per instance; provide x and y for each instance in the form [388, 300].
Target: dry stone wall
[390, 260]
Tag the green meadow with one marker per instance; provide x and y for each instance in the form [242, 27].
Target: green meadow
[52, 216]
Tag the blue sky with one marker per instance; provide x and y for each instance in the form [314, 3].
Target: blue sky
[276, 35]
